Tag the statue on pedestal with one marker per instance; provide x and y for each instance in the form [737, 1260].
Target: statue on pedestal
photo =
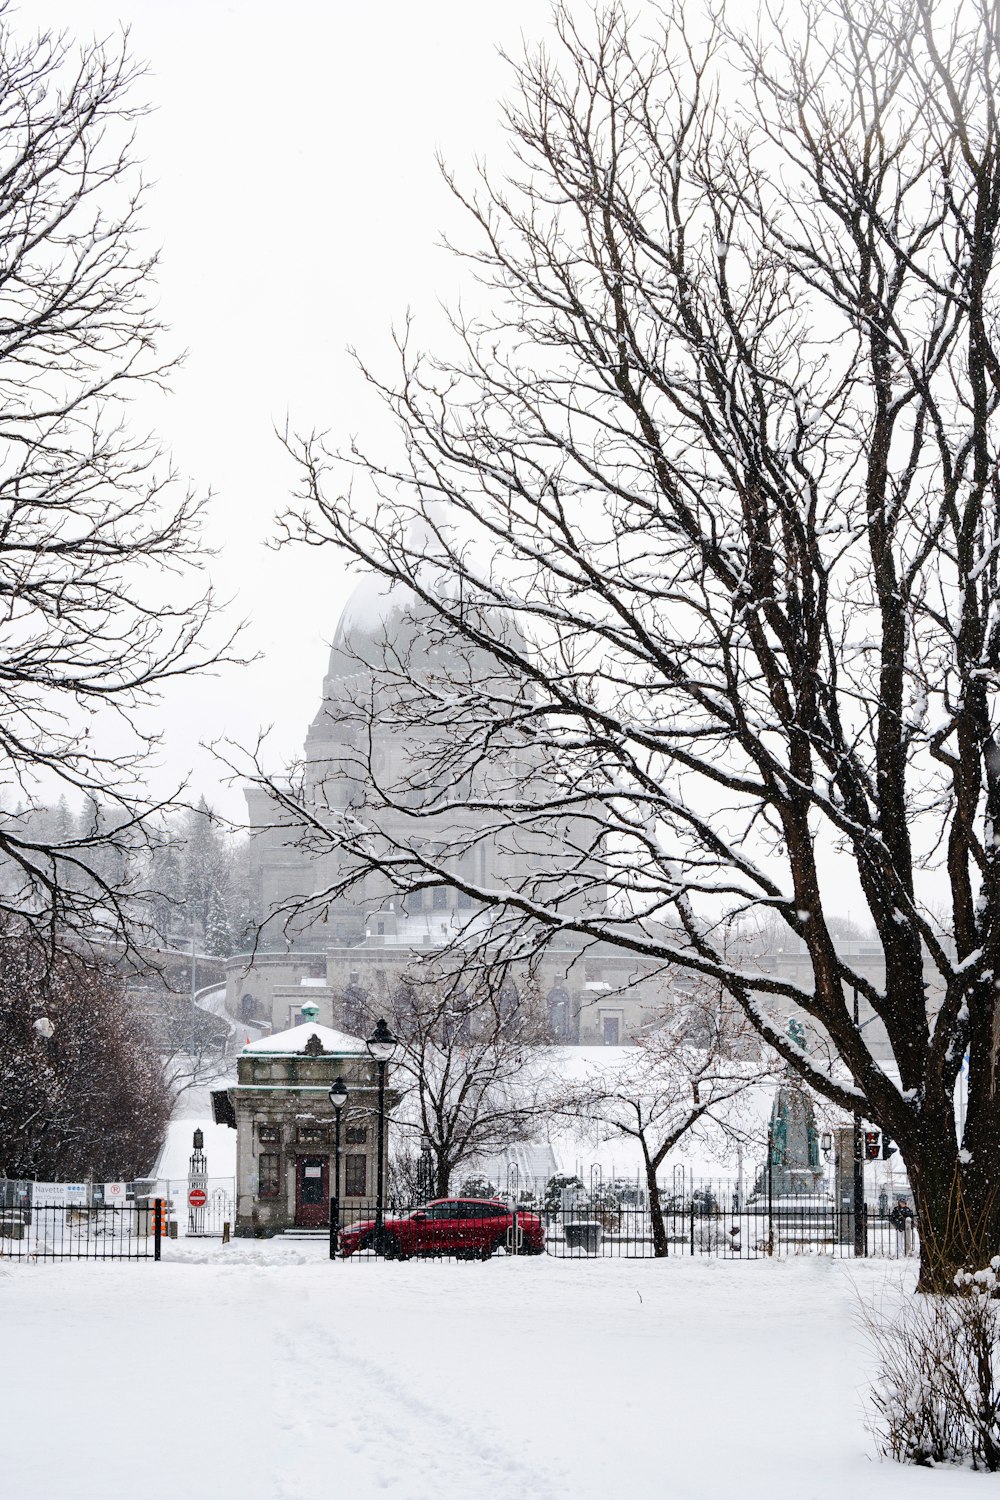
[793, 1139]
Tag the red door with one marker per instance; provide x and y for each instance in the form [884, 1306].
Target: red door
[312, 1192]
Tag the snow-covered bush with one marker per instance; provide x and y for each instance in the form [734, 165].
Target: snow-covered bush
[478, 1187]
[937, 1394]
[556, 1186]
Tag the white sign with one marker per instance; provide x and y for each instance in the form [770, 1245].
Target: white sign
[76, 1192]
[48, 1194]
[114, 1195]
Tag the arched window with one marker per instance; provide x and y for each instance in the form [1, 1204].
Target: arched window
[248, 1007]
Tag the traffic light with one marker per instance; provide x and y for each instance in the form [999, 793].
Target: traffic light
[888, 1147]
[871, 1145]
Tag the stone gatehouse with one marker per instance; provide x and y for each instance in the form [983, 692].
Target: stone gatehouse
[284, 1122]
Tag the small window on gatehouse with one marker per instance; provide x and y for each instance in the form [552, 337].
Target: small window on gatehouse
[355, 1176]
[269, 1180]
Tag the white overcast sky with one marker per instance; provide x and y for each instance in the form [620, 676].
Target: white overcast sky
[298, 207]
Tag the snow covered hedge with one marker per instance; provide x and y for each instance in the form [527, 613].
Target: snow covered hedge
[937, 1395]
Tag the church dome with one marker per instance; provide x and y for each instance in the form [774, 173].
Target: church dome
[383, 615]
[378, 612]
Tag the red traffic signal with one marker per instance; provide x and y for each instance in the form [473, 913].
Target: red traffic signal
[871, 1145]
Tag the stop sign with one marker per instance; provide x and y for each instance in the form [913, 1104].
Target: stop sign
[197, 1197]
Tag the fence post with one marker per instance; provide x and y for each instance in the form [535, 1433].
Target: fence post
[157, 1227]
[692, 1226]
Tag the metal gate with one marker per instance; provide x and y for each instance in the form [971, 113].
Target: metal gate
[197, 1219]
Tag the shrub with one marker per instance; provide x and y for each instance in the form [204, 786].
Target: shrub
[477, 1187]
[937, 1395]
[554, 1190]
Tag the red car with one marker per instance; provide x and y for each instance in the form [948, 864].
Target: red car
[468, 1228]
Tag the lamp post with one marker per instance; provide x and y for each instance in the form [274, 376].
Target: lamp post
[860, 1228]
[381, 1046]
[338, 1098]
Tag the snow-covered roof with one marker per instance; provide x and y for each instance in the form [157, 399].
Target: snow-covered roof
[295, 1039]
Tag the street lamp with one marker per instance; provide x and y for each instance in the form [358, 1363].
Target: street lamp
[338, 1098]
[381, 1046]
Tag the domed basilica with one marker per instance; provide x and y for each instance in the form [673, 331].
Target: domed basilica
[362, 945]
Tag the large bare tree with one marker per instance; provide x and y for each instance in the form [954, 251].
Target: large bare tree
[98, 542]
[721, 457]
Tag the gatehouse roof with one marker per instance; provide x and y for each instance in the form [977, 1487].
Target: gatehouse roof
[296, 1039]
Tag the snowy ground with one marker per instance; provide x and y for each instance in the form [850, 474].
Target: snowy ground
[261, 1371]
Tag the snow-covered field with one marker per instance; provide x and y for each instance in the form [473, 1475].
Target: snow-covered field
[261, 1371]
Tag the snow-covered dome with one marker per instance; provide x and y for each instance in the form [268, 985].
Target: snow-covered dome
[385, 623]
[378, 611]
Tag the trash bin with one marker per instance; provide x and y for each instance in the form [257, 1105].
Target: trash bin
[583, 1235]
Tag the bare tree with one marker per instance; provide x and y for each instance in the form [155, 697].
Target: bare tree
[721, 458]
[684, 1077]
[96, 540]
[466, 1067]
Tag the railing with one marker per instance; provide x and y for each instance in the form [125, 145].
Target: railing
[706, 1226]
[730, 1233]
[70, 1232]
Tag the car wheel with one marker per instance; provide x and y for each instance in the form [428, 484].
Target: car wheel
[391, 1248]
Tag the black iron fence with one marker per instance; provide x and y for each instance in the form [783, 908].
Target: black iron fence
[740, 1232]
[44, 1232]
[705, 1224]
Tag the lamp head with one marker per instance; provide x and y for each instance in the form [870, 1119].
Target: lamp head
[381, 1044]
[338, 1093]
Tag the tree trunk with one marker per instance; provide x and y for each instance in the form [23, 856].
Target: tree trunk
[656, 1212]
[442, 1176]
[957, 1207]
